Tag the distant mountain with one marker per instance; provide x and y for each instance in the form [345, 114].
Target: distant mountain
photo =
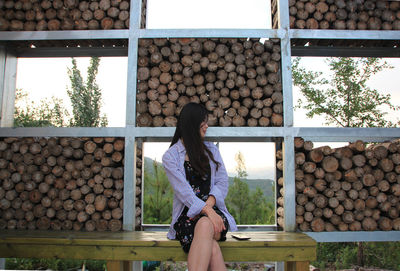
[266, 185]
[148, 165]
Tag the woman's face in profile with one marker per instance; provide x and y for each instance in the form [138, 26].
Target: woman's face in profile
[203, 128]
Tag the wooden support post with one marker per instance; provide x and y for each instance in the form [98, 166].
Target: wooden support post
[297, 266]
[119, 266]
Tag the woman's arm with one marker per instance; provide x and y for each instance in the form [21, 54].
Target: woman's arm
[181, 187]
[210, 201]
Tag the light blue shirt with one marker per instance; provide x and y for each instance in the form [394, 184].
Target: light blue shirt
[173, 160]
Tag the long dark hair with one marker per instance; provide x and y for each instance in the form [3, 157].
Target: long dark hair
[188, 128]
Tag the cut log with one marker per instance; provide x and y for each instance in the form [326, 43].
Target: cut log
[330, 164]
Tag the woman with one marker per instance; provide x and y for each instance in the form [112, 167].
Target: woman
[197, 174]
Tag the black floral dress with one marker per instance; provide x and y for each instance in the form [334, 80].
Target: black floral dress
[184, 226]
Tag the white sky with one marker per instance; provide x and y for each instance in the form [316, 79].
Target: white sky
[251, 14]
[46, 77]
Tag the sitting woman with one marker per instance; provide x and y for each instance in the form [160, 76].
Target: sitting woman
[200, 182]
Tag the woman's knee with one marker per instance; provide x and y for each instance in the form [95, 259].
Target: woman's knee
[216, 250]
[205, 226]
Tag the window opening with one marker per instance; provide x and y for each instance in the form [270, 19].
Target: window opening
[41, 79]
[251, 171]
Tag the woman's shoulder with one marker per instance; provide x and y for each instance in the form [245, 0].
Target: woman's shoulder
[211, 146]
[173, 151]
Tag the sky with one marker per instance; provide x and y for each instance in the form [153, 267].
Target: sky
[251, 14]
[46, 77]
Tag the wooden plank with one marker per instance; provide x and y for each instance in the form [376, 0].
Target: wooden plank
[149, 239]
[134, 246]
[152, 253]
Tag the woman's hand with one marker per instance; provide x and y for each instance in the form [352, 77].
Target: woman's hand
[216, 220]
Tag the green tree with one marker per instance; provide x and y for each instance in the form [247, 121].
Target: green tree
[49, 112]
[261, 211]
[86, 96]
[344, 99]
[158, 196]
[238, 199]
[248, 207]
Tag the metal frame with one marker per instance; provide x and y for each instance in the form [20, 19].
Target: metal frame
[132, 133]
[355, 236]
[345, 51]
[344, 34]
[71, 52]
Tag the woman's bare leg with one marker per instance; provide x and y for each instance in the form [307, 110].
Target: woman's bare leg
[217, 260]
[202, 245]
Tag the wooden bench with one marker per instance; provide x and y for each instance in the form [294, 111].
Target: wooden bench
[295, 249]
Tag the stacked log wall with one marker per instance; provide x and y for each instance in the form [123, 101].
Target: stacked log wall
[351, 188]
[238, 80]
[34, 15]
[279, 185]
[139, 178]
[345, 14]
[61, 183]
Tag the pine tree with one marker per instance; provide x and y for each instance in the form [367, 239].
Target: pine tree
[241, 166]
[158, 196]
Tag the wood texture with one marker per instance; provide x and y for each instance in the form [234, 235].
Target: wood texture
[297, 266]
[349, 188]
[64, 15]
[237, 80]
[127, 246]
[52, 177]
